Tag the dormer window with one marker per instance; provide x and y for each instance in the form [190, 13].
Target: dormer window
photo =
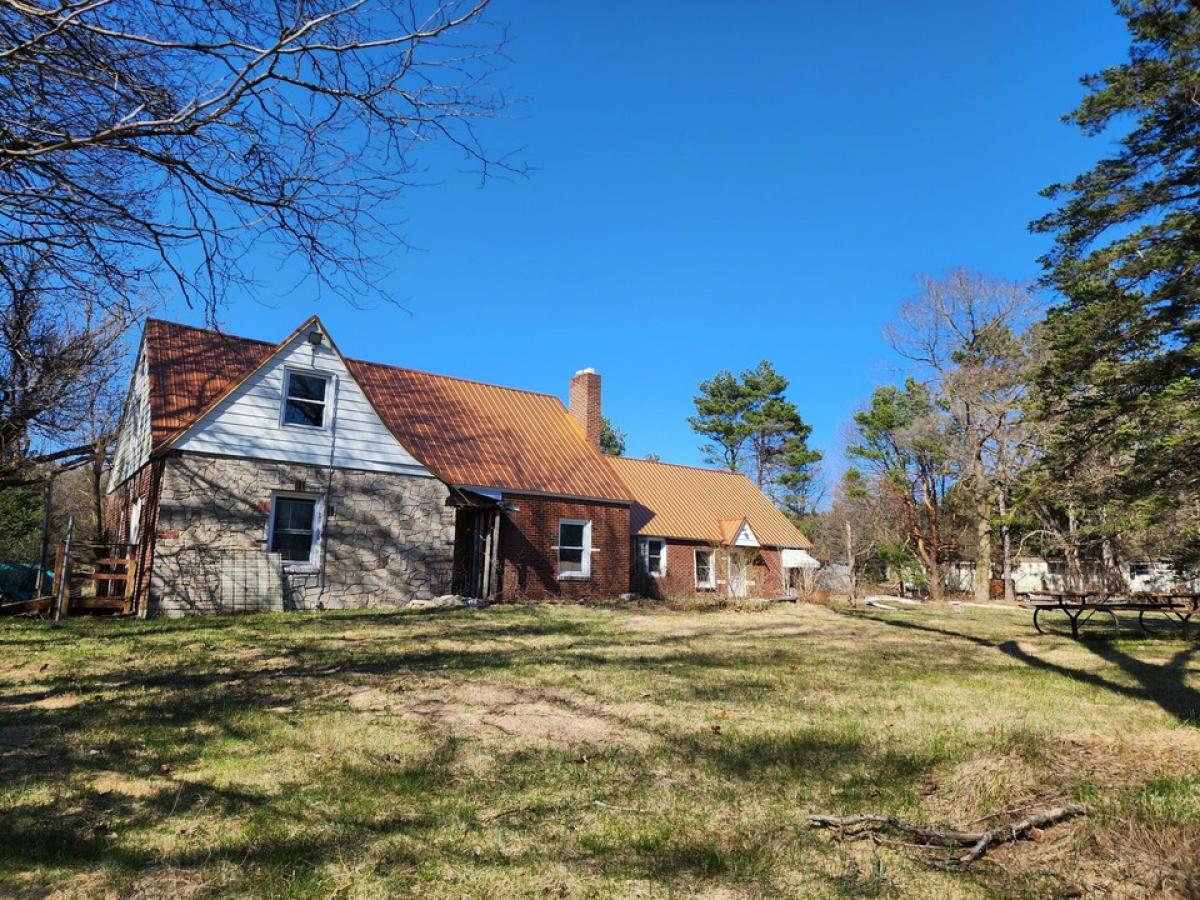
[305, 399]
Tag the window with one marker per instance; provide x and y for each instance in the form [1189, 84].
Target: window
[574, 548]
[304, 399]
[135, 520]
[705, 570]
[1139, 570]
[295, 528]
[653, 554]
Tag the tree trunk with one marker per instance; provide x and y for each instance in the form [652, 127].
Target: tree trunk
[1074, 566]
[1010, 589]
[983, 555]
[983, 529]
[850, 565]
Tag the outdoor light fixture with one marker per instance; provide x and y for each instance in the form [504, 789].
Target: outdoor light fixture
[314, 338]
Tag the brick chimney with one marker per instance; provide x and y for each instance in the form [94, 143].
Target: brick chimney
[585, 403]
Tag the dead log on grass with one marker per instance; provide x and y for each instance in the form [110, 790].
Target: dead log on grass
[925, 838]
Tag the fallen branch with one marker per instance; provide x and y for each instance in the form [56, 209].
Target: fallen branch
[927, 837]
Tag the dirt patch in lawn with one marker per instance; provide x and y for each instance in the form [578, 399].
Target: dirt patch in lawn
[521, 717]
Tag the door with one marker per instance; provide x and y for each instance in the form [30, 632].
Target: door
[738, 582]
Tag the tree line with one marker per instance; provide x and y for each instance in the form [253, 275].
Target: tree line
[1073, 433]
[145, 147]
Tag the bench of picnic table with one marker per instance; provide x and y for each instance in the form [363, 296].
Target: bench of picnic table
[1082, 607]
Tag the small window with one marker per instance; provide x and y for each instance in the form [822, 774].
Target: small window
[705, 570]
[574, 548]
[304, 400]
[653, 554]
[1139, 570]
[294, 528]
[135, 520]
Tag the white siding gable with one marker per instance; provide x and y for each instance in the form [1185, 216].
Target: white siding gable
[745, 537]
[248, 422]
[133, 441]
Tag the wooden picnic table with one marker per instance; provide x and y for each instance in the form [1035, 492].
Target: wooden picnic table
[1083, 607]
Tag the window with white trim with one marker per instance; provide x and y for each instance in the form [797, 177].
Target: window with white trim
[295, 529]
[653, 555]
[305, 398]
[135, 520]
[706, 569]
[574, 548]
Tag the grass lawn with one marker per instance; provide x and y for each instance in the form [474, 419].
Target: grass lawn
[567, 752]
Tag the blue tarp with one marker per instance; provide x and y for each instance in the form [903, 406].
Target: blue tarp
[19, 580]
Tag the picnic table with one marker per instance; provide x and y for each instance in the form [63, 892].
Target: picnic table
[1083, 608]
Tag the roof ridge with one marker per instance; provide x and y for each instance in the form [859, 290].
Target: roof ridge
[502, 387]
[369, 362]
[224, 334]
[659, 462]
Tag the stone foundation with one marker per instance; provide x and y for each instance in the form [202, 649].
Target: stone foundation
[388, 538]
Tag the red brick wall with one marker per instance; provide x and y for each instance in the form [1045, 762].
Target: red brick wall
[765, 572]
[584, 403]
[529, 565]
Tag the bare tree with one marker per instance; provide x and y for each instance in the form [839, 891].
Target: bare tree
[969, 334]
[143, 137]
[59, 361]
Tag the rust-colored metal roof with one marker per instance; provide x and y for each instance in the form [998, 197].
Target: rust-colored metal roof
[730, 527]
[466, 432]
[701, 504]
[190, 369]
[484, 435]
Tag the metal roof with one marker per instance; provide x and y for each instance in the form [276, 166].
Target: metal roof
[697, 504]
[466, 432]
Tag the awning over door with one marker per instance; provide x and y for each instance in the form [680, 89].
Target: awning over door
[795, 558]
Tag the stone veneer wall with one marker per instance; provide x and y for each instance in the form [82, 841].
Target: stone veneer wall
[389, 538]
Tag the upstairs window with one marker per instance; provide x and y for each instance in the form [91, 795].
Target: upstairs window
[295, 522]
[653, 554]
[304, 399]
[574, 548]
[706, 574]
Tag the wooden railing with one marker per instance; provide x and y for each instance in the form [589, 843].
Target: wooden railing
[94, 577]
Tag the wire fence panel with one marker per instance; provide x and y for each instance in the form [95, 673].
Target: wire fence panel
[207, 580]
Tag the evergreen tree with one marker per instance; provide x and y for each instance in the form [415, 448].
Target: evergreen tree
[1123, 378]
[612, 439]
[904, 442]
[755, 429]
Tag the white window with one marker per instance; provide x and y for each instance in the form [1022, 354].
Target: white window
[653, 554]
[706, 571]
[305, 398]
[294, 530]
[135, 520]
[574, 548]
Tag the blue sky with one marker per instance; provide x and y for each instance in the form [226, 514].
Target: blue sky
[717, 184]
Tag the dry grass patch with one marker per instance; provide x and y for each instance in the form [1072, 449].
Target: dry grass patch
[575, 752]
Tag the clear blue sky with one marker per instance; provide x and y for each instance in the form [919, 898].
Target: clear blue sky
[719, 183]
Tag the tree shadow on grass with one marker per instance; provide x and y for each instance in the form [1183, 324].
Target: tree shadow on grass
[1164, 684]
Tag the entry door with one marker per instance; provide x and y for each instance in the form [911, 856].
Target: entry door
[738, 582]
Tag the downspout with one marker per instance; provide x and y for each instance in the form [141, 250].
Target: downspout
[323, 581]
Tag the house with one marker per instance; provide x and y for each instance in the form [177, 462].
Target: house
[250, 475]
[703, 531]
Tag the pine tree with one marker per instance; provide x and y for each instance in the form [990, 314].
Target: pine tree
[755, 429]
[1123, 378]
[612, 439]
